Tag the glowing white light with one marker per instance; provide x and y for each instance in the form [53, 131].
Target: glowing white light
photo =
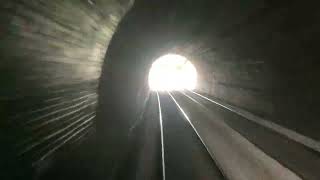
[172, 72]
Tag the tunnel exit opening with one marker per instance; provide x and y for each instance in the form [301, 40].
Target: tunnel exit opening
[172, 72]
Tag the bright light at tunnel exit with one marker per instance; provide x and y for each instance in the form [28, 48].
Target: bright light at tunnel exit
[172, 72]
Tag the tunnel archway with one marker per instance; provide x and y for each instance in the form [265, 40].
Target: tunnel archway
[61, 87]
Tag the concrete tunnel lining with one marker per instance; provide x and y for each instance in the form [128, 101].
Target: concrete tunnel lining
[256, 55]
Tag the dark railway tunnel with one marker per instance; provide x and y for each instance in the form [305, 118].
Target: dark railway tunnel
[75, 100]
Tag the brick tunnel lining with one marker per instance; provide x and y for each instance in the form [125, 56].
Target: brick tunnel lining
[260, 56]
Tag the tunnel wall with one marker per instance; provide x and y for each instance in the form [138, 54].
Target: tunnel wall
[51, 58]
[257, 55]
[261, 57]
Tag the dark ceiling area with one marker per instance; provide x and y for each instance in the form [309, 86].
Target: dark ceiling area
[74, 95]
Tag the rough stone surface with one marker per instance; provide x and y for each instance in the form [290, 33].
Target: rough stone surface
[259, 55]
[51, 56]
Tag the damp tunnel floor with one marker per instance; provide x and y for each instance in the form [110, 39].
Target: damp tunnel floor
[75, 100]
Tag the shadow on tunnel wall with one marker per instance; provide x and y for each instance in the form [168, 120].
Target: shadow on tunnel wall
[260, 55]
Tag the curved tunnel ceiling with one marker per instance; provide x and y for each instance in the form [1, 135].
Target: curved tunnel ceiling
[60, 87]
